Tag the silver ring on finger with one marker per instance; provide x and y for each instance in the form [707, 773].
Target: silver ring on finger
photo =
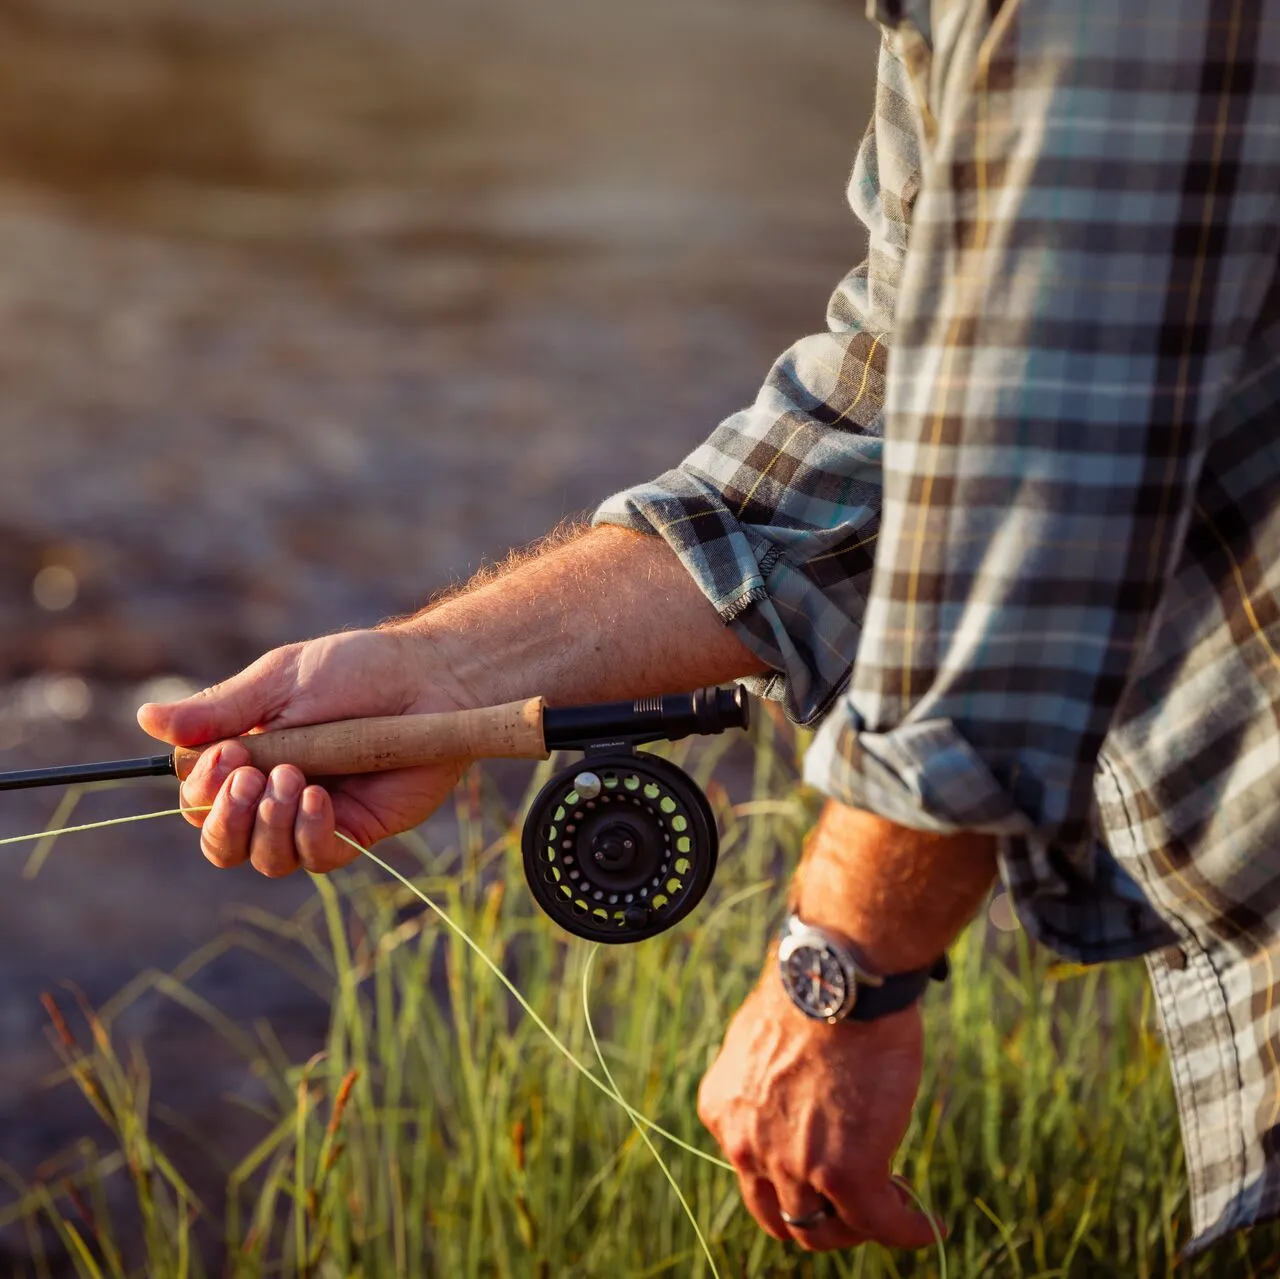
[810, 1220]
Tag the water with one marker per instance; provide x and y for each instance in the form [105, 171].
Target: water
[305, 311]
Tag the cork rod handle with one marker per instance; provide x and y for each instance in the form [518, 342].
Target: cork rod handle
[512, 731]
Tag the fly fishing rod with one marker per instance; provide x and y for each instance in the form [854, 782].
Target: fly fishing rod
[618, 846]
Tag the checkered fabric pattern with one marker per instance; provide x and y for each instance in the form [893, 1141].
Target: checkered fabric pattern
[1010, 528]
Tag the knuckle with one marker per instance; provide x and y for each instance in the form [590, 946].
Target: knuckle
[271, 813]
[772, 1227]
[321, 860]
[275, 813]
[215, 849]
[191, 795]
[827, 1180]
[272, 852]
[273, 866]
[711, 1108]
[198, 819]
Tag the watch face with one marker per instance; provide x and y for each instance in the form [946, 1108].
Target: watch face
[815, 980]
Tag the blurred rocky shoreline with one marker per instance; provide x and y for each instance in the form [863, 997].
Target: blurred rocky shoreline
[306, 310]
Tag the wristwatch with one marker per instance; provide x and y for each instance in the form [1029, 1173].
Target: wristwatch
[827, 981]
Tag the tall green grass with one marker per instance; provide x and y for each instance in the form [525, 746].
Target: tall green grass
[439, 1133]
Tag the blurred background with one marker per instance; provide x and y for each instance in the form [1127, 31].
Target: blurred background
[305, 310]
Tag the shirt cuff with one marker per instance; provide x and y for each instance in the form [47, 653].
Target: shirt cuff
[924, 775]
[760, 582]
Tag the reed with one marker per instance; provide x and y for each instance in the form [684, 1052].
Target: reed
[441, 1132]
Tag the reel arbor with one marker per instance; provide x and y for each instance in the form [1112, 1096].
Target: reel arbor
[620, 846]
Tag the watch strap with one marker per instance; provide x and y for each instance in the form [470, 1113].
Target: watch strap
[896, 992]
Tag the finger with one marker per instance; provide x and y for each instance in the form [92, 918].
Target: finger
[271, 846]
[907, 1197]
[762, 1203]
[319, 849]
[208, 777]
[238, 704]
[224, 837]
[884, 1214]
[826, 1236]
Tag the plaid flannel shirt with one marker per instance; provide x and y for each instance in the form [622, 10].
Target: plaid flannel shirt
[1010, 527]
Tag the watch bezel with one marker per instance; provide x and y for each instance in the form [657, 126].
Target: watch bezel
[797, 935]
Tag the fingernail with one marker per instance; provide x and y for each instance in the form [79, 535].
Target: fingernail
[284, 785]
[246, 787]
[312, 802]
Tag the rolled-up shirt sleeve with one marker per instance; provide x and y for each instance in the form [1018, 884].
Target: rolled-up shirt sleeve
[1088, 257]
[775, 518]
[776, 514]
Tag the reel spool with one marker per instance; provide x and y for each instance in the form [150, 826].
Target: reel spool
[622, 845]
[619, 846]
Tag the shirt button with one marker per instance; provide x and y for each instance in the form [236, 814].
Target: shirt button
[1175, 957]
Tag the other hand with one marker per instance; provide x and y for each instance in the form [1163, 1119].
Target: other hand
[804, 1109]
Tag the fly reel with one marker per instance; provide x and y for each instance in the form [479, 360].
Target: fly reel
[622, 845]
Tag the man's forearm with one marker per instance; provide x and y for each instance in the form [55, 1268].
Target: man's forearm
[900, 895]
[608, 614]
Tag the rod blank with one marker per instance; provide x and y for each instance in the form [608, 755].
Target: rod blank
[111, 771]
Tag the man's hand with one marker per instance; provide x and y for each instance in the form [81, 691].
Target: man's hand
[278, 822]
[803, 1109]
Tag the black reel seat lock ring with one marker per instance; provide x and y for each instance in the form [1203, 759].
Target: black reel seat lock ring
[622, 844]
